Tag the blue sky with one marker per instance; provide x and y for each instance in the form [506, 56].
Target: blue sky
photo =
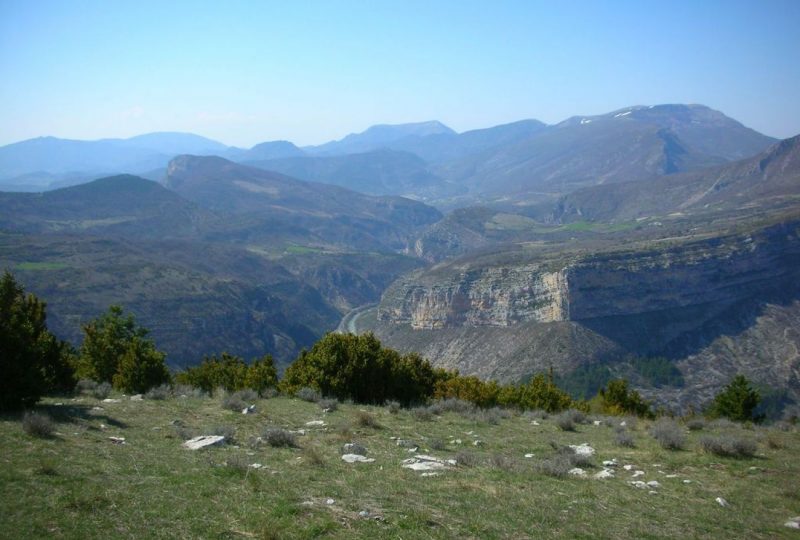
[306, 71]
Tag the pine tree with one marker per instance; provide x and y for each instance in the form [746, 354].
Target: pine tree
[737, 401]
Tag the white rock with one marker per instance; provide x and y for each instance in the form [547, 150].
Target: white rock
[256, 465]
[202, 441]
[97, 408]
[426, 463]
[651, 492]
[671, 476]
[722, 502]
[654, 484]
[687, 481]
[610, 463]
[249, 410]
[623, 423]
[637, 474]
[315, 423]
[793, 523]
[356, 458]
[412, 450]
[605, 473]
[117, 440]
[110, 400]
[528, 455]
[137, 397]
[638, 484]
[535, 423]
[455, 441]
[477, 443]
[329, 501]
[577, 471]
[583, 449]
[627, 467]
[430, 474]
[597, 423]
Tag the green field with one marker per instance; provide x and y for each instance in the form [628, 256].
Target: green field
[80, 484]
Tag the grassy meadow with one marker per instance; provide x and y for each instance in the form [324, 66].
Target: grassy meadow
[79, 483]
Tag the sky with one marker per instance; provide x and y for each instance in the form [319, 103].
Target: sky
[312, 71]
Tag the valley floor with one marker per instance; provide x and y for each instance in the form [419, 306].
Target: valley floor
[81, 483]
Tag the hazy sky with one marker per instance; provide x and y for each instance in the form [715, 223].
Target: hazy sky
[246, 72]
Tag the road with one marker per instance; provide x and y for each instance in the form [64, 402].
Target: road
[348, 322]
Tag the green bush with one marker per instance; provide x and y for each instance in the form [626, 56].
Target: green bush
[231, 373]
[618, 398]
[32, 361]
[346, 366]
[141, 367]
[737, 401]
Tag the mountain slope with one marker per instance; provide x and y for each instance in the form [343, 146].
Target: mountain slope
[767, 178]
[628, 145]
[379, 136]
[378, 172]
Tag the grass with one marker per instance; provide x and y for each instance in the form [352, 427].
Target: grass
[78, 484]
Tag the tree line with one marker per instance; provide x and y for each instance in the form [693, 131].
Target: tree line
[344, 366]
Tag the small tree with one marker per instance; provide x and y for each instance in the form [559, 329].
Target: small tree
[141, 367]
[32, 360]
[618, 398]
[737, 401]
[226, 371]
[106, 339]
[261, 374]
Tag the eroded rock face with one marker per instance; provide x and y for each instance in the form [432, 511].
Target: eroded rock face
[625, 282]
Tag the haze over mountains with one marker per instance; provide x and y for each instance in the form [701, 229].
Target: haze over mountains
[497, 251]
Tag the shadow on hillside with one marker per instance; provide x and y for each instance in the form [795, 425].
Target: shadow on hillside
[78, 413]
[679, 332]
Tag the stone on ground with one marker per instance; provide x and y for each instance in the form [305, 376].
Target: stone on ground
[356, 458]
[202, 441]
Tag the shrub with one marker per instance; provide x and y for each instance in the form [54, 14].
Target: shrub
[233, 402]
[227, 371]
[313, 456]
[729, 446]
[85, 386]
[452, 405]
[347, 366]
[467, 459]
[696, 424]
[226, 431]
[537, 414]
[622, 437]
[365, 419]
[141, 367]
[423, 414]
[160, 392]
[723, 423]
[617, 398]
[565, 421]
[557, 466]
[437, 444]
[102, 390]
[393, 406]
[736, 401]
[504, 462]
[32, 361]
[329, 405]
[261, 375]
[278, 438]
[308, 394]
[669, 434]
[37, 424]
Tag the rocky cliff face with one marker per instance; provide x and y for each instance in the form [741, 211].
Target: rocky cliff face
[715, 306]
[653, 278]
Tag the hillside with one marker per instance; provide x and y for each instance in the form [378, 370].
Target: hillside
[91, 481]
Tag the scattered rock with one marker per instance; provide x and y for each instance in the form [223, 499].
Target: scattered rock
[610, 463]
[528, 455]
[354, 448]
[671, 476]
[256, 466]
[627, 467]
[110, 400]
[455, 441]
[687, 481]
[412, 450]
[58, 404]
[97, 408]
[403, 443]
[577, 471]
[117, 440]
[316, 423]
[535, 423]
[249, 410]
[364, 514]
[137, 397]
[651, 492]
[356, 458]
[583, 449]
[329, 502]
[298, 432]
[427, 463]
[597, 423]
[637, 474]
[638, 484]
[202, 441]
[623, 423]
[477, 442]
[654, 484]
[605, 473]
[793, 523]
[722, 502]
